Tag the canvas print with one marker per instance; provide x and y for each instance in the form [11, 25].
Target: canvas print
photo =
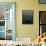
[7, 27]
[27, 17]
[42, 1]
[42, 22]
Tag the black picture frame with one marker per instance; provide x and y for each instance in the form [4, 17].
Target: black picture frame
[42, 1]
[27, 16]
[42, 22]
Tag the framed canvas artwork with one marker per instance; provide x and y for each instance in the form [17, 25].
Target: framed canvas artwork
[27, 17]
[42, 22]
[42, 1]
[7, 20]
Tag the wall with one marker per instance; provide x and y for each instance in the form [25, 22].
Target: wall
[28, 31]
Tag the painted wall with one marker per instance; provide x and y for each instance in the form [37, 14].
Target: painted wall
[26, 31]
